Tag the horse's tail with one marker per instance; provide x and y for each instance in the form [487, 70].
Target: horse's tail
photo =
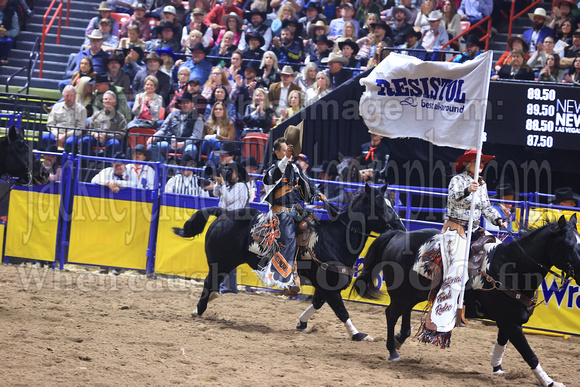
[195, 225]
[364, 284]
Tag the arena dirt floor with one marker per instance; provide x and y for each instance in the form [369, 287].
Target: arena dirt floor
[84, 328]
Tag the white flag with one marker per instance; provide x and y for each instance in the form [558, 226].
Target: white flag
[441, 102]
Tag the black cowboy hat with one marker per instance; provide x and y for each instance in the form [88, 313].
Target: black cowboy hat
[254, 66]
[101, 78]
[163, 25]
[412, 32]
[324, 39]
[327, 167]
[187, 160]
[314, 5]
[186, 96]
[473, 39]
[229, 148]
[198, 46]
[142, 149]
[351, 44]
[248, 14]
[381, 23]
[250, 161]
[52, 148]
[119, 156]
[503, 190]
[564, 193]
[294, 21]
[255, 35]
[114, 57]
[137, 49]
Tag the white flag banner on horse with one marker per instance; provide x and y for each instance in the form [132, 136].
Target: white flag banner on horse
[440, 102]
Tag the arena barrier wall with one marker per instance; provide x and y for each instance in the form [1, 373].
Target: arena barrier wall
[33, 222]
[133, 229]
[108, 229]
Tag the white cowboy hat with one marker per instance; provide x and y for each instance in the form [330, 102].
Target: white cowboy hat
[335, 58]
[434, 16]
[287, 70]
[540, 12]
[233, 15]
[95, 34]
[403, 9]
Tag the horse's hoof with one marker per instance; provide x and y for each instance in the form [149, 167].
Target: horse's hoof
[213, 296]
[394, 357]
[498, 370]
[557, 384]
[362, 337]
[194, 314]
[398, 344]
[301, 325]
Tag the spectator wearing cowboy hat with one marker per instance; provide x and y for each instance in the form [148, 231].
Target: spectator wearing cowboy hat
[253, 48]
[518, 69]
[515, 42]
[185, 124]
[143, 174]
[133, 61]
[95, 52]
[232, 22]
[314, 32]
[400, 26]
[101, 86]
[104, 12]
[153, 67]
[337, 25]
[286, 48]
[280, 91]
[349, 49]
[539, 29]
[313, 14]
[199, 66]
[169, 58]
[115, 75]
[322, 49]
[384, 33]
[413, 42]
[434, 36]
[335, 72]
[563, 10]
[472, 49]
[475, 10]
[138, 16]
[166, 37]
[296, 28]
[255, 25]
[214, 18]
[110, 41]
[564, 197]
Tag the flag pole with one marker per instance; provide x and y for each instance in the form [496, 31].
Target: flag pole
[459, 315]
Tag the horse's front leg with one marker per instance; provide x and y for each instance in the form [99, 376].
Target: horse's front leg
[210, 291]
[335, 301]
[498, 352]
[519, 341]
[318, 300]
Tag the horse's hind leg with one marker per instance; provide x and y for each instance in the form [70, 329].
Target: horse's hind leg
[519, 341]
[335, 301]
[210, 291]
[405, 331]
[392, 313]
[318, 300]
[498, 351]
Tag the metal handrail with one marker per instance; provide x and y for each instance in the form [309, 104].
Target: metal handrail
[486, 36]
[31, 65]
[46, 28]
[513, 17]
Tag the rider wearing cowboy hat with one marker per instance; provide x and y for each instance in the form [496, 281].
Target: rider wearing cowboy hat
[286, 186]
[562, 197]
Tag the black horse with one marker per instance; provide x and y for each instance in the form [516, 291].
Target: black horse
[16, 158]
[520, 265]
[336, 243]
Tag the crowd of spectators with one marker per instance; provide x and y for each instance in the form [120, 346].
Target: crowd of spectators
[202, 76]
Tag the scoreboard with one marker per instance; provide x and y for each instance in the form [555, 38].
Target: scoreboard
[534, 114]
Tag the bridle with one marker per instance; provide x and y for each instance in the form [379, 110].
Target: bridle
[29, 175]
